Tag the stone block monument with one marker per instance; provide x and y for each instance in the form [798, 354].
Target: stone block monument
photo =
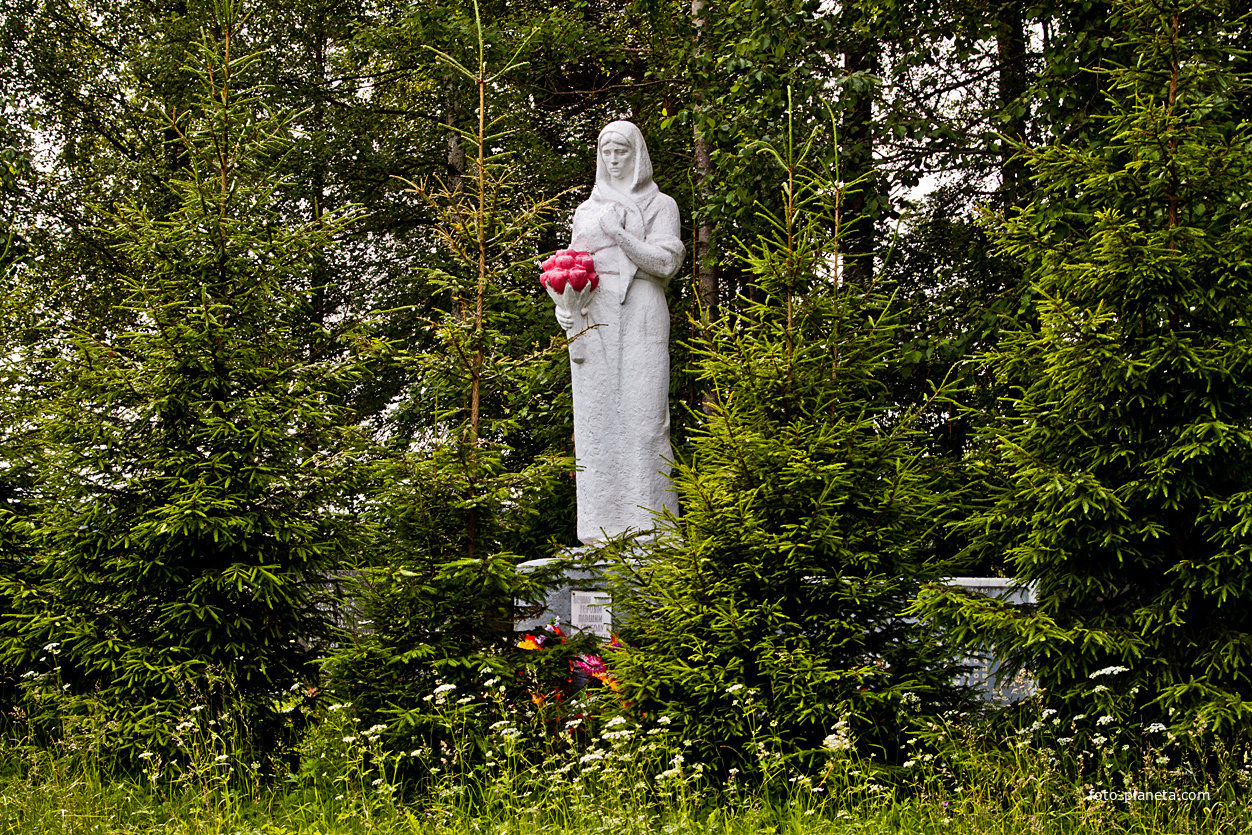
[621, 377]
[618, 327]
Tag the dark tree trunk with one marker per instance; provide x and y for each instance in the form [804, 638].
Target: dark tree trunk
[705, 268]
[857, 163]
[703, 231]
[322, 301]
[1011, 51]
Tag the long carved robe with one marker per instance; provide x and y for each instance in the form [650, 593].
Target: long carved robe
[621, 389]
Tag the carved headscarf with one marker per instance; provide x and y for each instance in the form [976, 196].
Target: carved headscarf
[642, 189]
[638, 198]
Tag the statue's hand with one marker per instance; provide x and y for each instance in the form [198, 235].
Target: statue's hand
[564, 318]
[613, 221]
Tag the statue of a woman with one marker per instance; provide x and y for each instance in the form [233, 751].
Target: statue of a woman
[621, 388]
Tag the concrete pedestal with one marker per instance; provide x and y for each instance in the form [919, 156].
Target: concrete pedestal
[984, 665]
[581, 602]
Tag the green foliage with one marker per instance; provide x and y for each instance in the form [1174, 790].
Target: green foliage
[1122, 466]
[460, 507]
[959, 294]
[763, 67]
[197, 467]
[627, 776]
[806, 506]
[16, 476]
[183, 361]
[13, 165]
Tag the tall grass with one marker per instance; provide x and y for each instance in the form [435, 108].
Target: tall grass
[623, 775]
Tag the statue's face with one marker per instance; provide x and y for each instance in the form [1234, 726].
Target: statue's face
[618, 158]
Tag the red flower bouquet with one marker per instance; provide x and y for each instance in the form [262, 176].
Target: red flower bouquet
[570, 278]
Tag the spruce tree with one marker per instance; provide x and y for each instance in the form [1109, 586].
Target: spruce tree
[775, 607]
[461, 505]
[1122, 466]
[196, 468]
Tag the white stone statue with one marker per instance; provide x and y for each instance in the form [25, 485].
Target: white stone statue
[621, 386]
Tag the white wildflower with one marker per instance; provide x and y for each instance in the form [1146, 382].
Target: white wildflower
[839, 738]
[836, 742]
[1109, 671]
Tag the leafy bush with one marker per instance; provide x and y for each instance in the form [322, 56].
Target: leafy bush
[196, 467]
[807, 509]
[1121, 472]
[470, 485]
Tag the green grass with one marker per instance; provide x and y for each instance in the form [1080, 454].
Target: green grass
[621, 776]
[87, 805]
[43, 793]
